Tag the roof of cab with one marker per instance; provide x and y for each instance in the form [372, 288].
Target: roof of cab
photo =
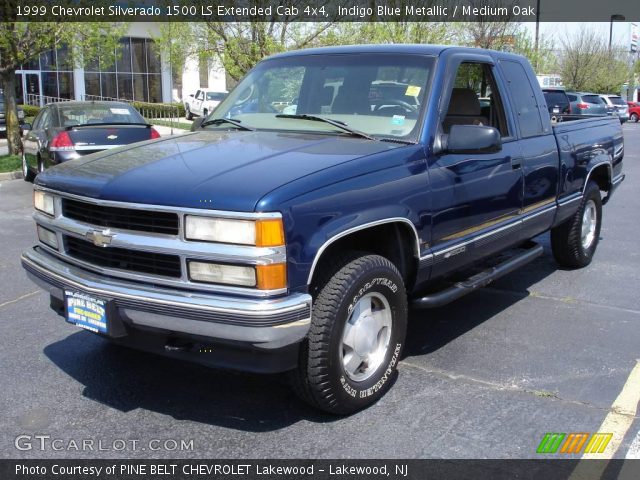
[416, 49]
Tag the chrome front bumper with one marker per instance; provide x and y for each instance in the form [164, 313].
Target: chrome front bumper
[261, 323]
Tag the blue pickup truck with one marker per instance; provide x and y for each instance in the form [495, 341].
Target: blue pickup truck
[331, 191]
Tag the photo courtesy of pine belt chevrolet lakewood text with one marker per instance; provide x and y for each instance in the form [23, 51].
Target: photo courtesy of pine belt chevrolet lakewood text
[294, 237]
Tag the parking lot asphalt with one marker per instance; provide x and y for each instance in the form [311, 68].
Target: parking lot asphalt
[541, 350]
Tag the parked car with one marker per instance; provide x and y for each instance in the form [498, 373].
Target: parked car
[3, 120]
[617, 106]
[203, 102]
[634, 111]
[558, 102]
[67, 130]
[585, 103]
[296, 243]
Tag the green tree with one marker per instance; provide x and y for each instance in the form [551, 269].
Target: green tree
[21, 42]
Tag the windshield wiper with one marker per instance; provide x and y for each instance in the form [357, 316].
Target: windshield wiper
[336, 123]
[235, 123]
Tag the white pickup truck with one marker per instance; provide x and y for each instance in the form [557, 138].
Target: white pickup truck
[203, 102]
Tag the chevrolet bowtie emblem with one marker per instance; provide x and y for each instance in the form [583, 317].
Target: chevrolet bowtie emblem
[100, 238]
[112, 137]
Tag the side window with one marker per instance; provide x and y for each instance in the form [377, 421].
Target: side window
[475, 99]
[43, 120]
[38, 120]
[199, 95]
[523, 97]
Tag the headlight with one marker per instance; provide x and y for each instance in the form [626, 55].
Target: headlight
[262, 277]
[224, 274]
[43, 202]
[47, 237]
[261, 233]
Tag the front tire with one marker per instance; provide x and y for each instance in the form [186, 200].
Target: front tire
[574, 242]
[349, 359]
[188, 115]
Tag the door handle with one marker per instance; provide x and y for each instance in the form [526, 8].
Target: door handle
[516, 163]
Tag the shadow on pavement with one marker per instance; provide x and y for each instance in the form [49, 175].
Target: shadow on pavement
[127, 379]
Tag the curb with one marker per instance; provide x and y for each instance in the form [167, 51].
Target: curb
[11, 175]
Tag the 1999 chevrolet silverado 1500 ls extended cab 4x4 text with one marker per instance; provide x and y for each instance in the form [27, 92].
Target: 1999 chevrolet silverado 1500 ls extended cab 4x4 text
[273, 242]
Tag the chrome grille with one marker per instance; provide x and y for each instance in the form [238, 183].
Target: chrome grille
[121, 218]
[124, 259]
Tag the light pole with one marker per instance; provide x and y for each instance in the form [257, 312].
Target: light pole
[616, 17]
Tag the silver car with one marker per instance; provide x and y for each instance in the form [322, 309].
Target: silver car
[585, 103]
[616, 105]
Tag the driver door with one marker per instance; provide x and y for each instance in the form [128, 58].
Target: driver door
[476, 198]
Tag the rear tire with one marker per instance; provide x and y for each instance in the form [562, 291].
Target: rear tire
[349, 359]
[27, 174]
[574, 242]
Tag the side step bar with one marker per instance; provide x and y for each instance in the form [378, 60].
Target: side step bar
[479, 280]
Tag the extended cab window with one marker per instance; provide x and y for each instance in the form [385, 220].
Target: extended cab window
[524, 98]
[377, 94]
[475, 99]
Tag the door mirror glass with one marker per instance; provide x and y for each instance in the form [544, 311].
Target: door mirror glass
[473, 139]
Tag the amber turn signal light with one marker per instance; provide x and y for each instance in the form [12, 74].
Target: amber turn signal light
[269, 233]
[272, 277]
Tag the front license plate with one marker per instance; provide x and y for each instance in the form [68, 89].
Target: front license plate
[86, 312]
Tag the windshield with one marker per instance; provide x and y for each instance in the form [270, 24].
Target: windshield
[378, 94]
[96, 114]
[215, 96]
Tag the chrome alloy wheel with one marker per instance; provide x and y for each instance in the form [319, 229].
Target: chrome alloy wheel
[366, 336]
[589, 224]
[25, 167]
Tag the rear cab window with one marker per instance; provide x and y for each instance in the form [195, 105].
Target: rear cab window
[523, 97]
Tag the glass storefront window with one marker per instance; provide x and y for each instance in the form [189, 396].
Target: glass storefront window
[65, 85]
[153, 56]
[125, 86]
[108, 83]
[124, 55]
[138, 59]
[49, 84]
[155, 88]
[140, 90]
[92, 84]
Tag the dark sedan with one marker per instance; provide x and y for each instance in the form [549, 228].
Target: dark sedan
[67, 130]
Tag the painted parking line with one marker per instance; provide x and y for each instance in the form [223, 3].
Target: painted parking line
[22, 297]
[617, 422]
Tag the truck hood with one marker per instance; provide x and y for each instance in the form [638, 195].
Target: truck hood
[208, 169]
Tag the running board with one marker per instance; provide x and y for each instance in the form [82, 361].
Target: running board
[479, 280]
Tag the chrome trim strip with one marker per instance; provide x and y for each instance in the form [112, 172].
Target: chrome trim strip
[586, 181]
[81, 148]
[516, 223]
[541, 212]
[570, 199]
[364, 226]
[181, 211]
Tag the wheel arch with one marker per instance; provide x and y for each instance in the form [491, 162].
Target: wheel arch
[401, 245]
[601, 173]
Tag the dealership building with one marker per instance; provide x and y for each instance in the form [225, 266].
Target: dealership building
[140, 73]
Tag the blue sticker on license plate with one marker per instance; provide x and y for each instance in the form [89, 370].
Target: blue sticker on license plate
[86, 312]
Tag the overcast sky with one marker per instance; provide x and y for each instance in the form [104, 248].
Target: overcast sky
[555, 30]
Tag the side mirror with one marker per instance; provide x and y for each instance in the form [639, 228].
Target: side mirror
[25, 127]
[196, 123]
[473, 139]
